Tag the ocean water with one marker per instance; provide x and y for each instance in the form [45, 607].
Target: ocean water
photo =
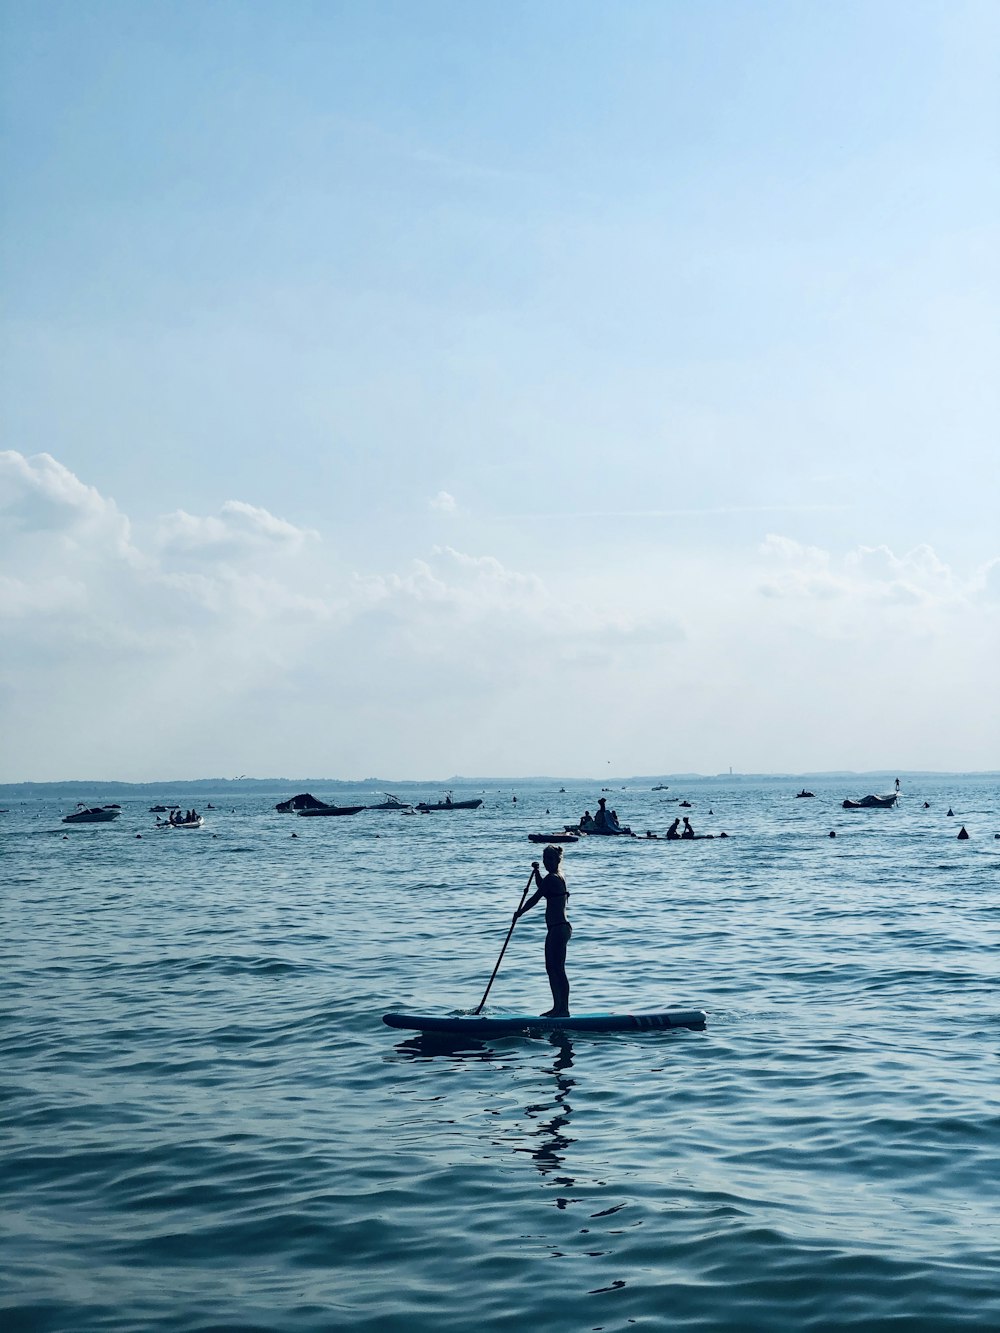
[206, 1125]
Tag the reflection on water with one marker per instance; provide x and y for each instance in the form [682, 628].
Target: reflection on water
[443, 1045]
[548, 1141]
[551, 1139]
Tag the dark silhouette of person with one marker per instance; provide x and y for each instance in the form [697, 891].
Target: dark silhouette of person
[672, 833]
[688, 830]
[552, 887]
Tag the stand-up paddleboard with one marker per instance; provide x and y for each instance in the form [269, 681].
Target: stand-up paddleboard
[513, 1024]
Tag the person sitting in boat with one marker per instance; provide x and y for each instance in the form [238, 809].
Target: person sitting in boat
[614, 821]
[587, 823]
[552, 887]
[602, 820]
[672, 832]
[688, 830]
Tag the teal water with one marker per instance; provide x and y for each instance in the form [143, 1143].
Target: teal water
[207, 1127]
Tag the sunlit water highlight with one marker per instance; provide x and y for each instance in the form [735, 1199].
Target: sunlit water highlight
[207, 1126]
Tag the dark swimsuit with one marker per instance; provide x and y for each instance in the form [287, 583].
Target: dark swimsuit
[557, 929]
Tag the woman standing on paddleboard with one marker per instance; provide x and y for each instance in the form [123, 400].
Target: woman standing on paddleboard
[552, 887]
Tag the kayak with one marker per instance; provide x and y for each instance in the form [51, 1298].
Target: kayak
[553, 837]
[515, 1024]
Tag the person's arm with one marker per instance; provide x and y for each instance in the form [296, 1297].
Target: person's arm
[535, 897]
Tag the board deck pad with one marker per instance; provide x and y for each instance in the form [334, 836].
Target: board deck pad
[472, 1025]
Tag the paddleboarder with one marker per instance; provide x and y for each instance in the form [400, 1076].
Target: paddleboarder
[552, 887]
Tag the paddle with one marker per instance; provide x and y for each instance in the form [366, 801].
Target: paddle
[534, 867]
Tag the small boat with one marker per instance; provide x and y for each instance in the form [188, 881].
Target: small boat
[197, 822]
[161, 809]
[871, 803]
[513, 1025]
[662, 787]
[331, 810]
[553, 837]
[92, 815]
[803, 792]
[390, 803]
[447, 804]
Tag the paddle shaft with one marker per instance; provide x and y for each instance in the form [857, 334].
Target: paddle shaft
[506, 941]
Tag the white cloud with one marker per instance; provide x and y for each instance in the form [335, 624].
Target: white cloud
[40, 497]
[866, 574]
[238, 529]
[444, 502]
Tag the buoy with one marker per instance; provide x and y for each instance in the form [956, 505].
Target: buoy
[962, 834]
[831, 834]
[138, 835]
[951, 811]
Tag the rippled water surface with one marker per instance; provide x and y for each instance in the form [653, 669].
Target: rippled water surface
[207, 1125]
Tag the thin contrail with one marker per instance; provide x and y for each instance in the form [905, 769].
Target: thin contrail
[681, 513]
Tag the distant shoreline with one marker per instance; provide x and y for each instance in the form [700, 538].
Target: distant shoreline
[13, 790]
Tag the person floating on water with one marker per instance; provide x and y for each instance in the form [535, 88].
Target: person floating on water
[552, 887]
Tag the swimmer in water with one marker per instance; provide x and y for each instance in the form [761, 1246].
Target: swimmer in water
[552, 887]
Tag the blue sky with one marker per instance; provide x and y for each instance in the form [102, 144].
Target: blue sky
[483, 364]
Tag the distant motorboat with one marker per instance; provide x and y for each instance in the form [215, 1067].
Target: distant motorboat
[447, 804]
[331, 810]
[92, 815]
[803, 792]
[390, 803]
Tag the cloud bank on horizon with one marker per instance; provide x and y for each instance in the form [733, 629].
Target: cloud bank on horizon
[239, 640]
